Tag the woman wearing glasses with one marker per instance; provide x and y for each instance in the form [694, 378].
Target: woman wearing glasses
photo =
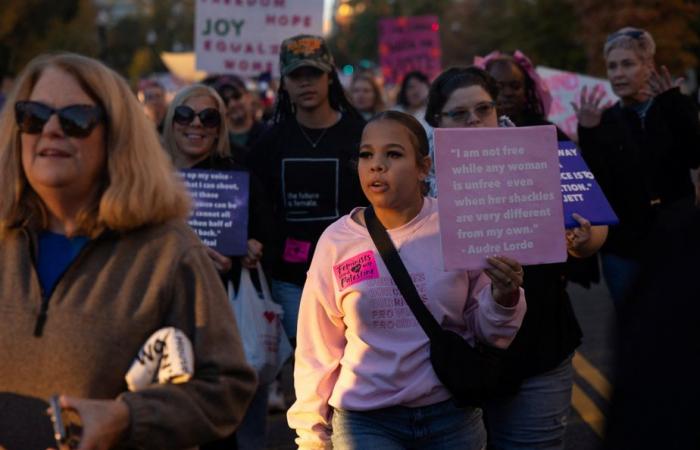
[94, 257]
[196, 136]
[533, 409]
[641, 150]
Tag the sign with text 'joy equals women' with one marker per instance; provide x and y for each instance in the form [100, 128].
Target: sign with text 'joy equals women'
[499, 195]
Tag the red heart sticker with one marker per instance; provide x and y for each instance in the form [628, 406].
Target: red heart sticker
[270, 316]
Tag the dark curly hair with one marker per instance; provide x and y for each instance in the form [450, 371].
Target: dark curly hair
[449, 81]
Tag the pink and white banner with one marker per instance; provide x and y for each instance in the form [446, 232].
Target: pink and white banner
[244, 36]
[499, 195]
[407, 44]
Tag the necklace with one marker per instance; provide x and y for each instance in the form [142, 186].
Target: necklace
[313, 143]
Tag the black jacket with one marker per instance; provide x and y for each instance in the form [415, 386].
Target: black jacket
[643, 166]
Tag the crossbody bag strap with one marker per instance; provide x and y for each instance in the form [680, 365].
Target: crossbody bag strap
[401, 277]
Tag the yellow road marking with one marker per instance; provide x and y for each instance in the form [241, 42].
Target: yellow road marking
[588, 410]
[593, 376]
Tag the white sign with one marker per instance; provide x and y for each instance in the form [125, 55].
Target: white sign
[566, 88]
[244, 36]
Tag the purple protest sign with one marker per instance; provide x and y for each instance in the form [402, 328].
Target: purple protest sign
[220, 213]
[499, 195]
[407, 44]
[581, 192]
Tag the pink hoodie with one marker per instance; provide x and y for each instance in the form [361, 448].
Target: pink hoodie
[359, 347]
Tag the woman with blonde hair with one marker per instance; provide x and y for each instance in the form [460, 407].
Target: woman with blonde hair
[94, 257]
[366, 95]
[644, 150]
[196, 136]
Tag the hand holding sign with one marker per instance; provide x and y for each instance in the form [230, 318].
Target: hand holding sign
[499, 195]
[506, 278]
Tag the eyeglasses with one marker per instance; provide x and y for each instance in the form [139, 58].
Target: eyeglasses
[481, 111]
[209, 117]
[634, 34]
[76, 121]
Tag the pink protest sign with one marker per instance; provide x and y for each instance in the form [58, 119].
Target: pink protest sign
[244, 36]
[409, 43]
[566, 88]
[499, 195]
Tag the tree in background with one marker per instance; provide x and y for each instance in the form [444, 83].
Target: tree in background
[32, 27]
[672, 23]
[563, 34]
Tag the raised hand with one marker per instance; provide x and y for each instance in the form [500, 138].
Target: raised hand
[658, 83]
[589, 110]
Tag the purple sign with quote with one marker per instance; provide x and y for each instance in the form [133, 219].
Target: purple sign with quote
[580, 191]
[499, 195]
[220, 208]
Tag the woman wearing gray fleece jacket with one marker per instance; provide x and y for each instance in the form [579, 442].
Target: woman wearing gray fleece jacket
[94, 258]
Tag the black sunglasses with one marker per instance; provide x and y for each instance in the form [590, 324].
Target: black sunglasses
[76, 120]
[209, 117]
[634, 34]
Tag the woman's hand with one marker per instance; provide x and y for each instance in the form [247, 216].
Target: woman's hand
[585, 240]
[104, 422]
[657, 83]
[222, 263]
[588, 110]
[250, 261]
[506, 277]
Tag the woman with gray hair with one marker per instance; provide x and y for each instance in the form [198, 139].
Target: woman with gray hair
[644, 150]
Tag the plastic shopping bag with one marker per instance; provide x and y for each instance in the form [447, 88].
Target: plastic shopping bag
[259, 321]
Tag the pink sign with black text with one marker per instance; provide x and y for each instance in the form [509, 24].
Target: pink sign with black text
[499, 195]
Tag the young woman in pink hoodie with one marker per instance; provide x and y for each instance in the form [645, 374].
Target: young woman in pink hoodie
[363, 375]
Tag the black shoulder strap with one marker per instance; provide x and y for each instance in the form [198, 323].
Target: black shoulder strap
[398, 272]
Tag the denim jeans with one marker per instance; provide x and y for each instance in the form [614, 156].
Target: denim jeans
[441, 426]
[288, 295]
[620, 274]
[535, 417]
[250, 435]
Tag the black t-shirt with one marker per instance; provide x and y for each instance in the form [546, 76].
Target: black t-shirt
[309, 187]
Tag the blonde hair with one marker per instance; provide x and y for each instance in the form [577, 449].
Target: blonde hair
[379, 104]
[630, 38]
[140, 187]
[222, 148]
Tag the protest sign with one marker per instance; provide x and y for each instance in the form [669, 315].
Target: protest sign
[220, 213]
[409, 43]
[580, 191]
[499, 195]
[244, 36]
[566, 88]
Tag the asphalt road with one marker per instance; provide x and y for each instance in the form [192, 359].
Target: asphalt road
[593, 365]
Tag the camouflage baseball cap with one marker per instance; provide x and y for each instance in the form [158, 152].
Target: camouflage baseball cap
[305, 50]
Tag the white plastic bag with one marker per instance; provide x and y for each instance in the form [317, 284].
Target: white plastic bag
[259, 321]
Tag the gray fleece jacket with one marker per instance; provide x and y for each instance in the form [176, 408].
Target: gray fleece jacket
[115, 294]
